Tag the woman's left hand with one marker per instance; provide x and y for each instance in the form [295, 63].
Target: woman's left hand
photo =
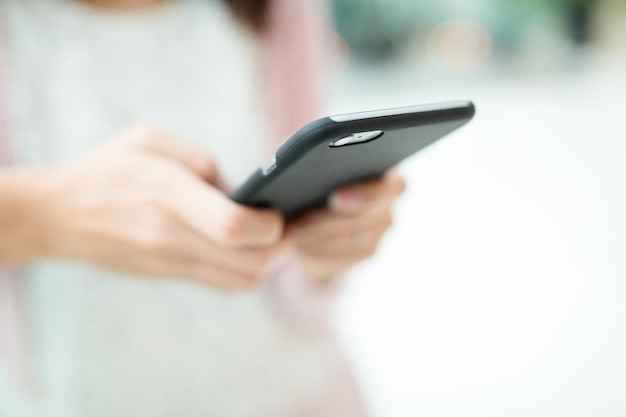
[348, 230]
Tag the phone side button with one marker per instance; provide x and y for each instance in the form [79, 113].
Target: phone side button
[269, 166]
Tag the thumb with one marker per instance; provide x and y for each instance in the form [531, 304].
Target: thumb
[159, 143]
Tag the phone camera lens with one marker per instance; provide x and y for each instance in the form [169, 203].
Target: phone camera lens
[355, 138]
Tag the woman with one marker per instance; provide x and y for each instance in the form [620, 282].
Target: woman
[84, 216]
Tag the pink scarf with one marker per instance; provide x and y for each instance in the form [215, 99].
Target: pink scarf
[294, 48]
[295, 52]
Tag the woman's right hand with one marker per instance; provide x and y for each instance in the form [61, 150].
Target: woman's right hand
[148, 204]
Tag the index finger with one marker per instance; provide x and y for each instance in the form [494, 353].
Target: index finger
[215, 216]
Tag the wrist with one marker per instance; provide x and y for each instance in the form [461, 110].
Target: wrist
[25, 213]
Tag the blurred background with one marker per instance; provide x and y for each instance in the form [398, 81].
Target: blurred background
[501, 291]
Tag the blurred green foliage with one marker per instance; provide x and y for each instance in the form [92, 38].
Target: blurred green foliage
[378, 29]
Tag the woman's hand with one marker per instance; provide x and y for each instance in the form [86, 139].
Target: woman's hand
[149, 205]
[333, 239]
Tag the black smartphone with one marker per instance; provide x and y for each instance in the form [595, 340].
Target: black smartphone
[339, 150]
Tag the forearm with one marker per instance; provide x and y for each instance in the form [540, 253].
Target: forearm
[22, 205]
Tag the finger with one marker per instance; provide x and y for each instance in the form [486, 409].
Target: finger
[242, 261]
[333, 264]
[324, 224]
[368, 196]
[143, 265]
[213, 215]
[179, 245]
[162, 144]
[344, 245]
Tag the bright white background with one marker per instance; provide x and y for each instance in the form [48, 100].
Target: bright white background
[501, 290]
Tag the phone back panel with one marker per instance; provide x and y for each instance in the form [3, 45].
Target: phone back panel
[306, 169]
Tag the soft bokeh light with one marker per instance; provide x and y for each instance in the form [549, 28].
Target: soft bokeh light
[460, 45]
[500, 290]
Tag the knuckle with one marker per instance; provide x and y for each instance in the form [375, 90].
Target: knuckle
[154, 241]
[232, 227]
[143, 134]
[156, 237]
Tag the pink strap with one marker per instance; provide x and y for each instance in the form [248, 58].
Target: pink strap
[294, 49]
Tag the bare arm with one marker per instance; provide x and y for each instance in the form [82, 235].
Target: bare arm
[145, 204]
[22, 195]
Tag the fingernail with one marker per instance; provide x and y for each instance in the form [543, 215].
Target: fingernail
[347, 201]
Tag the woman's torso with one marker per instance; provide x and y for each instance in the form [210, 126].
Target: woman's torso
[104, 344]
